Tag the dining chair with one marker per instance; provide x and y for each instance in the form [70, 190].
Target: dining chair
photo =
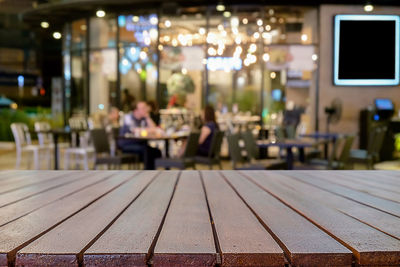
[240, 163]
[23, 143]
[187, 160]
[213, 157]
[103, 154]
[370, 155]
[84, 152]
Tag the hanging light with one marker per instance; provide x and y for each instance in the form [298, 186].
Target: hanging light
[100, 13]
[368, 7]
[226, 14]
[220, 7]
[57, 35]
[266, 57]
[44, 24]
[167, 23]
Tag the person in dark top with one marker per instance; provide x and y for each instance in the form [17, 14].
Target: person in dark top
[128, 100]
[154, 112]
[134, 122]
[207, 131]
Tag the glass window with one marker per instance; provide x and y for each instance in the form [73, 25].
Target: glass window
[182, 45]
[103, 79]
[234, 59]
[78, 82]
[138, 58]
[103, 32]
[78, 36]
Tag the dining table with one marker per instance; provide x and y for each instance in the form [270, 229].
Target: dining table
[158, 136]
[328, 136]
[199, 218]
[288, 144]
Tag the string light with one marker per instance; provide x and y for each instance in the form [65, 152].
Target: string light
[44, 24]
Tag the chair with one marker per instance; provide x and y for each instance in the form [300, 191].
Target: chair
[23, 143]
[79, 128]
[103, 153]
[332, 157]
[342, 161]
[187, 160]
[213, 157]
[371, 155]
[253, 153]
[235, 153]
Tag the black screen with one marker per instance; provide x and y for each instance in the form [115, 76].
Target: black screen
[367, 49]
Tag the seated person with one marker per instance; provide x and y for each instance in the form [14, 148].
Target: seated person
[138, 119]
[207, 131]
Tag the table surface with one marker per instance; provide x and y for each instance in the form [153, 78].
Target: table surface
[259, 218]
[175, 136]
[288, 143]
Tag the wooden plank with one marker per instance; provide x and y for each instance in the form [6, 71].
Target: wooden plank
[22, 208]
[243, 240]
[29, 191]
[21, 232]
[7, 174]
[346, 180]
[382, 221]
[129, 240]
[303, 242]
[355, 195]
[369, 246]
[372, 179]
[62, 245]
[186, 238]
[29, 179]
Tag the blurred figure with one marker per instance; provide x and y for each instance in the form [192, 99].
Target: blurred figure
[134, 122]
[210, 126]
[154, 111]
[128, 101]
[113, 117]
[207, 131]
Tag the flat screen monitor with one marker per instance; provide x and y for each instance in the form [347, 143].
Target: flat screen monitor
[366, 50]
[384, 104]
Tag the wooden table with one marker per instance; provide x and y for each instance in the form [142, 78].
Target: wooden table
[289, 144]
[192, 218]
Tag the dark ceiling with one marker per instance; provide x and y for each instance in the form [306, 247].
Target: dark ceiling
[58, 12]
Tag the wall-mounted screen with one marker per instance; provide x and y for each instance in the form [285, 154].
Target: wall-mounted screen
[366, 50]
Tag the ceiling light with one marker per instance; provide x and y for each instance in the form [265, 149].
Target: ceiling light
[44, 24]
[57, 35]
[226, 14]
[220, 7]
[100, 13]
[368, 7]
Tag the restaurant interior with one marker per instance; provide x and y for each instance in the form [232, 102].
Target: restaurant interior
[290, 86]
[225, 133]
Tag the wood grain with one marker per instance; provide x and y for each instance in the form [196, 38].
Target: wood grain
[186, 238]
[29, 191]
[303, 242]
[369, 246]
[71, 237]
[243, 240]
[128, 240]
[22, 208]
[21, 232]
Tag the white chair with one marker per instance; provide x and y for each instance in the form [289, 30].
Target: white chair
[46, 139]
[85, 151]
[23, 143]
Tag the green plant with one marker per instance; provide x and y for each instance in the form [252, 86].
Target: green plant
[9, 116]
